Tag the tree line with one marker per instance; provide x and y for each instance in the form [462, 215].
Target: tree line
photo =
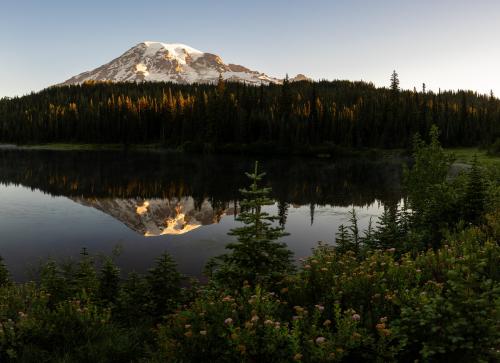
[293, 115]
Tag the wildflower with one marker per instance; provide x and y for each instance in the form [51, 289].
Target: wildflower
[268, 322]
[254, 319]
[391, 250]
[383, 319]
[307, 267]
[187, 326]
[242, 349]
[320, 340]
[320, 307]
[297, 357]
[314, 261]
[327, 322]
[385, 332]
[228, 321]
[284, 290]
[248, 325]
[298, 309]
[380, 326]
[324, 269]
[203, 332]
[188, 334]
[356, 317]
[227, 298]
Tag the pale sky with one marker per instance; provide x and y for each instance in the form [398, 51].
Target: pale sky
[448, 44]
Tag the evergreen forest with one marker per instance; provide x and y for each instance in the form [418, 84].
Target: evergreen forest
[294, 116]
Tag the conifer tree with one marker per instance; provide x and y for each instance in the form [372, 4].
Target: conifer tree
[475, 194]
[4, 273]
[343, 242]
[134, 299]
[109, 280]
[354, 229]
[256, 257]
[52, 281]
[394, 82]
[283, 213]
[221, 85]
[348, 238]
[388, 233]
[164, 283]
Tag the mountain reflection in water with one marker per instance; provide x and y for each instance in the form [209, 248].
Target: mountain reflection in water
[185, 203]
[157, 217]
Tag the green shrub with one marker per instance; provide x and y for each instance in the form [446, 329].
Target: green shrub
[438, 304]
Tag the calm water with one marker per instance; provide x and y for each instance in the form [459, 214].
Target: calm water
[54, 203]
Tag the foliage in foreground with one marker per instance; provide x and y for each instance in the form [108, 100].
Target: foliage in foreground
[439, 305]
[422, 286]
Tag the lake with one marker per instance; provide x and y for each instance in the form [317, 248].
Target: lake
[55, 203]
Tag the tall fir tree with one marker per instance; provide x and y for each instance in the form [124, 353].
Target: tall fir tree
[394, 82]
[257, 257]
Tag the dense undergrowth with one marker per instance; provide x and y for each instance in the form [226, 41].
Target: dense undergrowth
[423, 285]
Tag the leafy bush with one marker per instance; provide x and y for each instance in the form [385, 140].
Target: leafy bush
[438, 304]
[377, 296]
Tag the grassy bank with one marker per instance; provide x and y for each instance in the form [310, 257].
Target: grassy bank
[86, 147]
[466, 156]
[256, 149]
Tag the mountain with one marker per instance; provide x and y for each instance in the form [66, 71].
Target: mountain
[178, 63]
[157, 217]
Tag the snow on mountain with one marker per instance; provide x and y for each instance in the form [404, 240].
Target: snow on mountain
[178, 63]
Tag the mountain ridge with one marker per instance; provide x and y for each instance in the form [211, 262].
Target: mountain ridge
[172, 62]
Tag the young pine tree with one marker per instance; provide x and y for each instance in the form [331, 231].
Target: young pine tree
[348, 238]
[109, 281]
[133, 304]
[429, 195]
[256, 257]
[343, 240]
[388, 233]
[475, 195]
[164, 284]
[4, 274]
[53, 282]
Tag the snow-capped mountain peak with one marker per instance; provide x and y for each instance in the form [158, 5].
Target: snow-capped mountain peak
[170, 62]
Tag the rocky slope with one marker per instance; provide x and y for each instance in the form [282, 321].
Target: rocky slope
[178, 63]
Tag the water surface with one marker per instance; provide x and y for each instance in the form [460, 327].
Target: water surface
[54, 203]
